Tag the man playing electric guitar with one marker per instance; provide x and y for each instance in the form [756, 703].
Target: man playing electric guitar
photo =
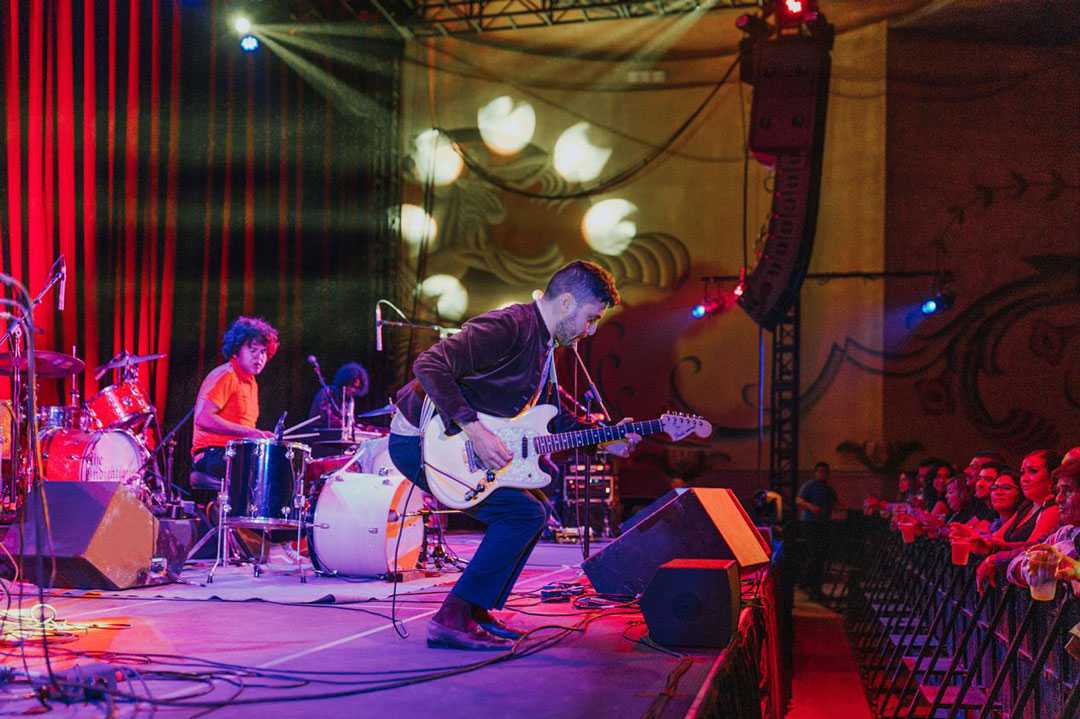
[495, 365]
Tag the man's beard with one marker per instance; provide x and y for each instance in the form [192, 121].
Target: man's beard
[564, 329]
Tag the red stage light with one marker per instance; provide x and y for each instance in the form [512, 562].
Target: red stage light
[792, 13]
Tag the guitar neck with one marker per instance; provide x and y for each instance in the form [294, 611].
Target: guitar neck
[548, 443]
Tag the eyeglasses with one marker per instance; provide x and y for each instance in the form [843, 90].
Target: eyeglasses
[1003, 487]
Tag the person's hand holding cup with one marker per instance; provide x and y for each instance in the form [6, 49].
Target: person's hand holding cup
[1042, 564]
[961, 550]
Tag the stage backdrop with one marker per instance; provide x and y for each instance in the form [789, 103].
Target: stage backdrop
[187, 182]
[661, 230]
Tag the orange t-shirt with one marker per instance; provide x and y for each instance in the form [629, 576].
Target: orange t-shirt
[236, 393]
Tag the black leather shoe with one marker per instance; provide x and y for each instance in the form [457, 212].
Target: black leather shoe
[499, 629]
[475, 638]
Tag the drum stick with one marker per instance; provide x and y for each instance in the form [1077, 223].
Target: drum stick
[299, 436]
[302, 424]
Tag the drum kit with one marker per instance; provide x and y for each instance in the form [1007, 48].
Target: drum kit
[108, 438]
[360, 515]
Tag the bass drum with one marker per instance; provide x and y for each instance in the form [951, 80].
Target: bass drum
[357, 522]
[78, 456]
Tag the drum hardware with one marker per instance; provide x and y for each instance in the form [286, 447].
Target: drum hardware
[263, 483]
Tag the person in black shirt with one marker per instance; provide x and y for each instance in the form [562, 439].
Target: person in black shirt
[350, 381]
[815, 502]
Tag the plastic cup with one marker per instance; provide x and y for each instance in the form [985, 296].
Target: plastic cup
[961, 551]
[1042, 566]
[907, 531]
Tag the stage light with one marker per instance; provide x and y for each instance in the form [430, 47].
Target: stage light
[505, 128]
[241, 24]
[937, 303]
[792, 13]
[576, 158]
[435, 158]
[450, 296]
[606, 228]
[417, 225]
[249, 43]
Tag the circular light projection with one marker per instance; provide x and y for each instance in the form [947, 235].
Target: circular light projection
[450, 296]
[606, 228]
[416, 225]
[504, 127]
[436, 160]
[576, 158]
[241, 24]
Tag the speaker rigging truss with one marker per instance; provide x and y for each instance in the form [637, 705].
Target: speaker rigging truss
[439, 18]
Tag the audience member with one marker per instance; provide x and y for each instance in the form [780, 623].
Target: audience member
[1064, 544]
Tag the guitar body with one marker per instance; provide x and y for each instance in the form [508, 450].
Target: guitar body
[455, 475]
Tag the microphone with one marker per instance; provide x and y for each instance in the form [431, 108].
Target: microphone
[378, 328]
[313, 361]
[279, 428]
[63, 284]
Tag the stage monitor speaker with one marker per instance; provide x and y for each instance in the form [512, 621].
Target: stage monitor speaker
[693, 602]
[696, 524]
[648, 509]
[102, 537]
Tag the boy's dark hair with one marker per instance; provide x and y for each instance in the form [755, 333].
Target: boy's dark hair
[347, 374]
[246, 329]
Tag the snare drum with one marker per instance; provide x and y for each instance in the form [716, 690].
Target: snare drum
[120, 405]
[78, 456]
[357, 521]
[263, 478]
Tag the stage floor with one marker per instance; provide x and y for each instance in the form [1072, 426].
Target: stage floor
[598, 671]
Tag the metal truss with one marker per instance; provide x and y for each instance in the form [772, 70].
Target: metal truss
[437, 18]
[784, 407]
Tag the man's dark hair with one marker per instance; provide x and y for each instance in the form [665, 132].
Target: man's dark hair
[990, 454]
[246, 329]
[821, 465]
[998, 467]
[584, 279]
[347, 374]
[1069, 471]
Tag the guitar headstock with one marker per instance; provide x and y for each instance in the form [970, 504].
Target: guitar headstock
[677, 425]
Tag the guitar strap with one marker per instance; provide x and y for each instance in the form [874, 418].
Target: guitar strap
[549, 373]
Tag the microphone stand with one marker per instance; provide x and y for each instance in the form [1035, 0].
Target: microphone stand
[590, 395]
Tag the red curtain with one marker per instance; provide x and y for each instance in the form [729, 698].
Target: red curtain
[186, 182]
[92, 176]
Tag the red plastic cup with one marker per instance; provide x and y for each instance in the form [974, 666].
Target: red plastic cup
[907, 531]
[961, 551]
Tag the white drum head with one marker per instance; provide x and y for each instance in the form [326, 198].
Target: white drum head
[113, 456]
[358, 518]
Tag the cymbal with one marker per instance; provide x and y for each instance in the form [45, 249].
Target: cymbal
[124, 360]
[49, 365]
[388, 409]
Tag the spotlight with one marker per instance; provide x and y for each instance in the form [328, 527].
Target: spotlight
[937, 303]
[704, 309]
[242, 25]
[249, 43]
[793, 13]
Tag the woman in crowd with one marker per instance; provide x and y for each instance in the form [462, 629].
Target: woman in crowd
[942, 473]
[1065, 542]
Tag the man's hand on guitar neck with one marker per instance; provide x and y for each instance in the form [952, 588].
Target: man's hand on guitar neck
[489, 448]
[623, 447]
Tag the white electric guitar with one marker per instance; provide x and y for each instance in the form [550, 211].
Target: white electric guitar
[458, 479]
